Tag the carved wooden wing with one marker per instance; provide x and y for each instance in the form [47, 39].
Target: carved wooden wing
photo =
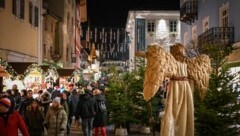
[159, 65]
[199, 69]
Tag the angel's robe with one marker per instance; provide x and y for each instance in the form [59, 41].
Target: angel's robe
[178, 119]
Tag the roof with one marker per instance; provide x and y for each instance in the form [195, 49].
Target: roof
[65, 72]
[20, 67]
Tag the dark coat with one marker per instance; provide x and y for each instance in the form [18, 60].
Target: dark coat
[25, 102]
[73, 102]
[87, 106]
[100, 117]
[34, 121]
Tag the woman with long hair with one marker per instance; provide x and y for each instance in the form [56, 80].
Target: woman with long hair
[34, 119]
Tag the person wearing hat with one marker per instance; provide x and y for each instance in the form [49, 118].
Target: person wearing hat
[56, 119]
[10, 120]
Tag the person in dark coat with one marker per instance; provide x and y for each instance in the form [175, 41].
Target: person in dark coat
[25, 102]
[99, 122]
[86, 109]
[34, 119]
[72, 104]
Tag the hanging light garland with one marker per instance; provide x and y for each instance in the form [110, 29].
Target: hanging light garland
[52, 72]
[32, 67]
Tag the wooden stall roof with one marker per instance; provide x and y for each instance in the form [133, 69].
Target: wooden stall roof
[45, 67]
[20, 67]
[65, 72]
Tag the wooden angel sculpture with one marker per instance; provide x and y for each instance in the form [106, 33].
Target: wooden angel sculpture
[178, 119]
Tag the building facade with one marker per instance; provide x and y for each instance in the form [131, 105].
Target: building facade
[211, 22]
[49, 38]
[19, 32]
[65, 42]
[148, 27]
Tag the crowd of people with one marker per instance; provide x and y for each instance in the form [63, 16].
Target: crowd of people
[52, 111]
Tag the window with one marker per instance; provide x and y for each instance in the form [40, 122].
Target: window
[68, 21]
[33, 14]
[44, 49]
[67, 54]
[45, 24]
[185, 42]
[36, 12]
[52, 27]
[224, 15]
[2, 4]
[194, 33]
[151, 26]
[30, 13]
[51, 50]
[205, 24]
[18, 7]
[173, 26]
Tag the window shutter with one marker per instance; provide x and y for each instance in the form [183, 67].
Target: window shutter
[30, 12]
[14, 6]
[2, 3]
[36, 16]
[22, 8]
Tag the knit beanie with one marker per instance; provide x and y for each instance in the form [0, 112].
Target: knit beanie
[57, 100]
[5, 105]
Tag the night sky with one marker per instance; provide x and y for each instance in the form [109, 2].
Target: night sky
[113, 13]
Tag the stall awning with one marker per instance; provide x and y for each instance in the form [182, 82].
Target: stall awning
[20, 67]
[65, 72]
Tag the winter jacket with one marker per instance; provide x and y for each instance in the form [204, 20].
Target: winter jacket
[56, 120]
[87, 106]
[72, 102]
[34, 121]
[15, 122]
[100, 117]
[25, 101]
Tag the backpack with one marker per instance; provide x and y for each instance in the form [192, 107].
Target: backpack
[102, 106]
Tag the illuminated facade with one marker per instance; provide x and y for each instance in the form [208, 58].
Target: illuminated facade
[211, 22]
[19, 32]
[147, 27]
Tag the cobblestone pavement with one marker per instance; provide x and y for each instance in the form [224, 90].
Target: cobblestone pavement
[77, 131]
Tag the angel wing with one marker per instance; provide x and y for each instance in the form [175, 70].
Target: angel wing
[159, 65]
[198, 70]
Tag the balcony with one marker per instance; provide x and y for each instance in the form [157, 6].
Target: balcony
[189, 12]
[217, 36]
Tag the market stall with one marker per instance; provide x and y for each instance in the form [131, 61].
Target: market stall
[64, 75]
[6, 73]
[76, 76]
[51, 75]
[33, 77]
